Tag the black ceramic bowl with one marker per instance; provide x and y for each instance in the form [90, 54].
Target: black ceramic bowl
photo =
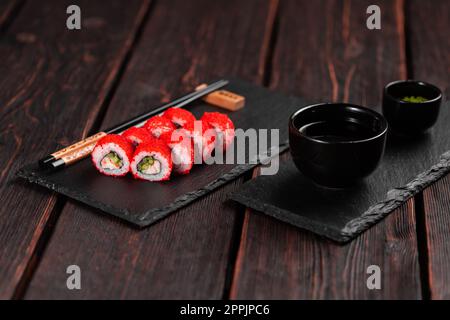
[411, 118]
[337, 144]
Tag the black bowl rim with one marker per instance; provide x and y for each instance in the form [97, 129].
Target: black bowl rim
[347, 105]
[417, 82]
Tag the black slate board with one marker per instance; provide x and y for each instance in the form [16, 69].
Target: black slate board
[143, 203]
[409, 165]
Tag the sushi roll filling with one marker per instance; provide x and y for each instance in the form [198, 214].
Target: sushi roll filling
[111, 161]
[149, 166]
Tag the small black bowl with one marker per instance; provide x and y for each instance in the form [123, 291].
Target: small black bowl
[337, 144]
[411, 118]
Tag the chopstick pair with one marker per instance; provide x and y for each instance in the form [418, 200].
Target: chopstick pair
[83, 148]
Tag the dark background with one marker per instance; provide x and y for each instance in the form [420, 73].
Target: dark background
[57, 86]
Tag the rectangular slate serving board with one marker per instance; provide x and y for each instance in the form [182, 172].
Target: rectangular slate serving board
[408, 166]
[143, 203]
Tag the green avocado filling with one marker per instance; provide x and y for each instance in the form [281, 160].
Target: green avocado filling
[414, 99]
[115, 159]
[145, 163]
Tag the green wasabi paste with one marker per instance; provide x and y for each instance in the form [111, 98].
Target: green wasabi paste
[414, 99]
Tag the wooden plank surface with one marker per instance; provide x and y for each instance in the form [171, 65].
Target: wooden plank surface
[329, 55]
[186, 255]
[428, 25]
[57, 81]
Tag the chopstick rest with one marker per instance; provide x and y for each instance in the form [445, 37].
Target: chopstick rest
[223, 99]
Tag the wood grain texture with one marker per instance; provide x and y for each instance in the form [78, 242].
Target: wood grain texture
[186, 254]
[57, 81]
[428, 24]
[330, 55]
[436, 201]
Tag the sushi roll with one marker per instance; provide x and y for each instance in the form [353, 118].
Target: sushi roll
[112, 155]
[137, 135]
[182, 149]
[152, 161]
[223, 126]
[179, 117]
[158, 126]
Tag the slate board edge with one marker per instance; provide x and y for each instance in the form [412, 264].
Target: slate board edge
[28, 175]
[395, 198]
[150, 217]
[288, 217]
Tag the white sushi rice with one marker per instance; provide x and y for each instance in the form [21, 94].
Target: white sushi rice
[155, 172]
[181, 158]
[104, 165]
[156, 132]
[179, 121]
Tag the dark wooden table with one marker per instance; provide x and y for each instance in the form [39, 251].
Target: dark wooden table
[57, 86]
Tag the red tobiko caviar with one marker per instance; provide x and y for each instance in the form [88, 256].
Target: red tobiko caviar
[158, 126]
[137, 135]
[223, 126]
[180, 117]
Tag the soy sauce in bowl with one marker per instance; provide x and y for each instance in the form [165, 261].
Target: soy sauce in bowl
[336, 131]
